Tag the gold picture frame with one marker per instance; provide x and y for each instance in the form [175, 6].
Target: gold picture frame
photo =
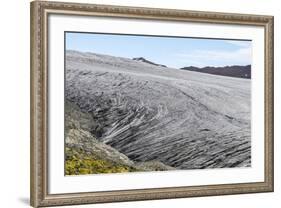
[39, 103]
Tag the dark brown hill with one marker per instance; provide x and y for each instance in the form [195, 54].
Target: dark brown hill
[231, 71]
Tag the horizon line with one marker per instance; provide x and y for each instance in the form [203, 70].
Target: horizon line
[147, 59]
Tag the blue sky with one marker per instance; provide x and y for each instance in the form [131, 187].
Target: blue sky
[170, 51]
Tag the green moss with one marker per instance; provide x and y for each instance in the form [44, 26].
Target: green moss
[80, 162]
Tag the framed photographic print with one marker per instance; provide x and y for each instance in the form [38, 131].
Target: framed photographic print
[142, 103]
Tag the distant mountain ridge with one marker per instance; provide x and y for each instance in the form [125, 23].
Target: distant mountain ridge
[147, 61]
[231, 71]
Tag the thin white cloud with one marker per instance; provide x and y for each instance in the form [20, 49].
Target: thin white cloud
[244, 44]
[203, 58]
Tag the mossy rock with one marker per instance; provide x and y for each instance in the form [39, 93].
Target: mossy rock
[79, 162]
